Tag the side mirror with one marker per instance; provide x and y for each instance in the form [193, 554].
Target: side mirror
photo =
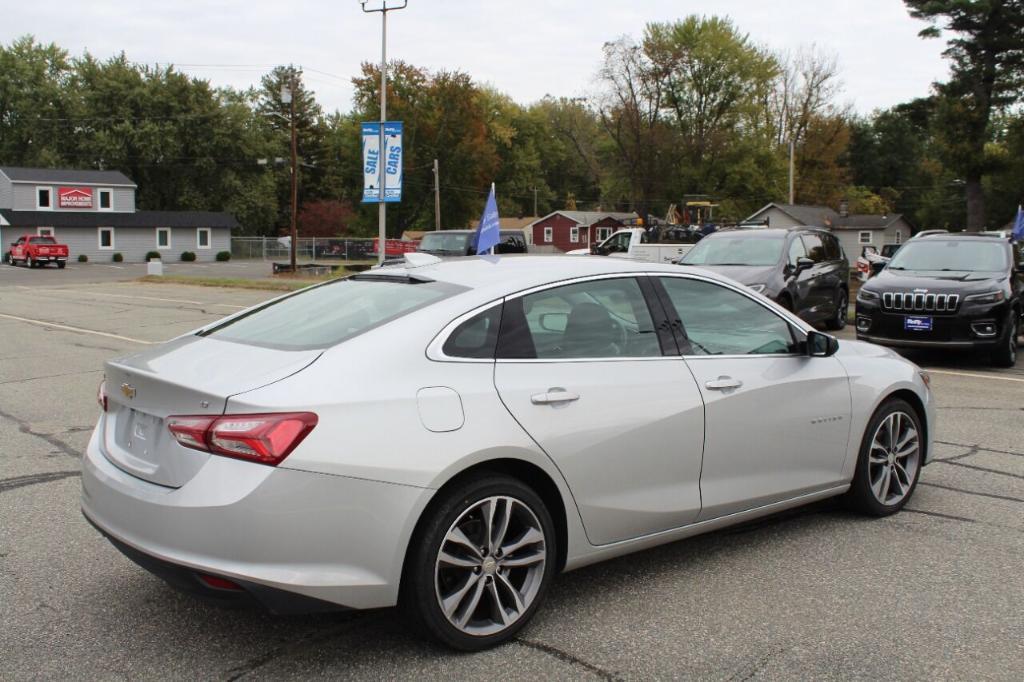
[821, 345]
[803, 263]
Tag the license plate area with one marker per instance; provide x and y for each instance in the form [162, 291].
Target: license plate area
[138, 433]
[917, 323]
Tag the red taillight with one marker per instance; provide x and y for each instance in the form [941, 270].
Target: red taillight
[101, 395]
[264, 438]
[219, 583]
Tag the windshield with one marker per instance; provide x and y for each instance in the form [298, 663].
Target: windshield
[329, 314]
[736, 249]
[945, 255]
[448, 243]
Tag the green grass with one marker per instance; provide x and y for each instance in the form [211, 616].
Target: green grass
[278, 284]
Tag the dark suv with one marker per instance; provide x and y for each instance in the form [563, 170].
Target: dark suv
[947, 291]
[803, 269]
[463, 242]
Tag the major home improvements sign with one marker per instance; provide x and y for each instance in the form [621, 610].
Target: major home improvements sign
[74, 197]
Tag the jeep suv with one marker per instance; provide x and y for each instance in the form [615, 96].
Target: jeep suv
[803, 269]
[947, 291]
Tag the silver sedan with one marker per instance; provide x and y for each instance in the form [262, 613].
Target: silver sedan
[448, 436]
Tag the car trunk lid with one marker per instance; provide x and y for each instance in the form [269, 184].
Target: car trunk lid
[191, 375]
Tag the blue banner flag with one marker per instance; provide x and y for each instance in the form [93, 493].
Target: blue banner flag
[1018, 225]
[390, 157]
[488, 234]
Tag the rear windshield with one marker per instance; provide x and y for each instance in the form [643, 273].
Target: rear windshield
[738, 248]
[951, 255]
[42, 240]
[326, 315]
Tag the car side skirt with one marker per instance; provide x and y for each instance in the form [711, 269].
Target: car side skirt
[604, 552]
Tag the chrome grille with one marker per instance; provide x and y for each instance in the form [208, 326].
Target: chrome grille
[912, 302]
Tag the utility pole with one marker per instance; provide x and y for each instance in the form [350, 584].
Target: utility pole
[382, 209]
[288, 97]
[437, 197]
[535, 203]
[791, 193]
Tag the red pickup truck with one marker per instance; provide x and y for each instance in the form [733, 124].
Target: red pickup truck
[36, 251]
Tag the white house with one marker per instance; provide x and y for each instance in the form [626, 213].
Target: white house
[854, 230]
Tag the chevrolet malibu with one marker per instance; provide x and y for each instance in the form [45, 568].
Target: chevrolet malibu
[447, 436]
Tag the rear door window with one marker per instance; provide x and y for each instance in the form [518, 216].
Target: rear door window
[326, 315]
[476, 337]
[606, 318]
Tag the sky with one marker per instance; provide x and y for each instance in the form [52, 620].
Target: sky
[526, 48]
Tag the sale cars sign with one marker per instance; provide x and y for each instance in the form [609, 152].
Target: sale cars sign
[74, 197]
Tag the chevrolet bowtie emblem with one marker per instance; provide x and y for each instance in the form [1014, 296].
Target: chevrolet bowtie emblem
[128, 390]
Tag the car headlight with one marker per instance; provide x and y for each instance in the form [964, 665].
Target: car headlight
[756, 288]
[987, 297]
[865, 295]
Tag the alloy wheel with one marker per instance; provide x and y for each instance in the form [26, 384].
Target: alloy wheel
[842, 311]
[894, 458]
[490, 566]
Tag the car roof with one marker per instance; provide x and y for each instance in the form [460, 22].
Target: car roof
[963, 236]
[499, 275]
[755, 229]
[504, 231]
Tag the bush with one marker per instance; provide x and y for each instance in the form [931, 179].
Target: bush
[188, 256]
[223, 256]
[118, 257]
[150, 255]
[82, 258]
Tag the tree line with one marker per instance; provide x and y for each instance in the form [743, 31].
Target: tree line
[690, 108]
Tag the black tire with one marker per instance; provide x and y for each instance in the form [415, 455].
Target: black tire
[1005, 354]
[8, 259]
[422, 578]
[838, 321]
[61, 265]
[861, 497]
[786, 302]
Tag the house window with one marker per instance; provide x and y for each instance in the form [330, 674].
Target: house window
[864, 237]
[574, 234]
[549, 234]
[106, 238]
[44, 231]
[44, 198]
[603, 233]
[899, 236]
[203, 238]
[163, 237]
[106, 199]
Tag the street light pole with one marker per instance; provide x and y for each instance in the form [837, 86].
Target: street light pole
[437, 196]
[382, 207]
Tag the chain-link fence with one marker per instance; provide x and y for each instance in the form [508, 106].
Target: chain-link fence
[306, 249]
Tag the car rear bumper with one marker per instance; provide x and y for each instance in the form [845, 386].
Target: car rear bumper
[275, 532]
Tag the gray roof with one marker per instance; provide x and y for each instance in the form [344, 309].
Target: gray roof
[862, 221]
[93, 219]
[823, 216]
[590, 217]
[68, 176]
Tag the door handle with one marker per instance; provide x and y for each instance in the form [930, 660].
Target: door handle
[723, 383]
[554, 396]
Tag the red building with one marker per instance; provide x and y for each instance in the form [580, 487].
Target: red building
[568, 230]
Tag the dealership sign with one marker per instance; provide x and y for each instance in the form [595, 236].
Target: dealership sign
[391, 159]
[74, 197]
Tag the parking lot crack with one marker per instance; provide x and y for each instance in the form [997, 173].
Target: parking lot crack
[46, 437]
[948, 517]
[978, 468]
[567, 658]
[972, 492]
[32, 479]
[980, 447]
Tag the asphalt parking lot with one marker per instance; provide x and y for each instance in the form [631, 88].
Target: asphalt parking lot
[94, 273]
[935, 592]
